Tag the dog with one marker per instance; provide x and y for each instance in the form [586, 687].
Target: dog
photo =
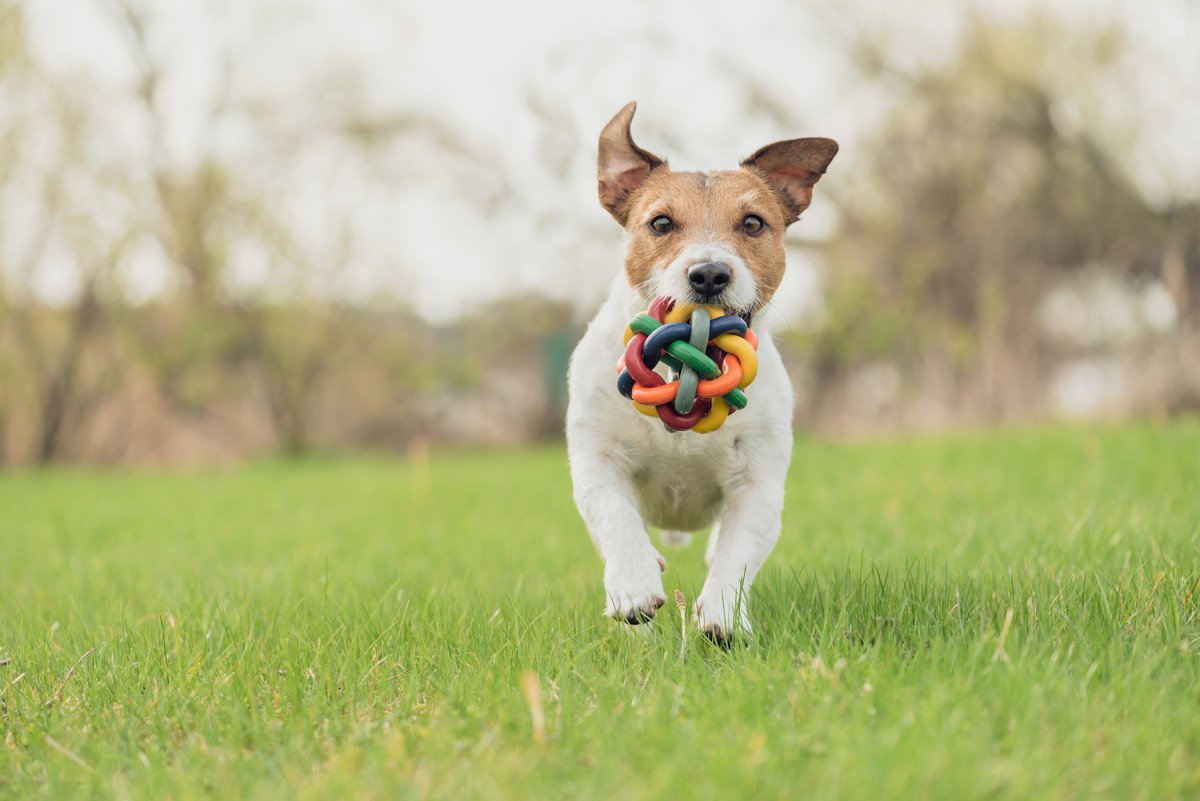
[695, 237]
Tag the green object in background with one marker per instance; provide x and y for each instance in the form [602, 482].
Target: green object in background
[556, 357]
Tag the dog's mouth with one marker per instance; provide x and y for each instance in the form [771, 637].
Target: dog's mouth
[721, 299]
[745, 314]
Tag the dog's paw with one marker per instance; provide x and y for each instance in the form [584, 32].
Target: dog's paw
[634, 589]
[721, 616]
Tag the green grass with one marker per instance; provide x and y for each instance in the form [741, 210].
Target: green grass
[337, 629]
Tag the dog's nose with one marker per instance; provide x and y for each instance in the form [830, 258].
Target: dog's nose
[709, 278]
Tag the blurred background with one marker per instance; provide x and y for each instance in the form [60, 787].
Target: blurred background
[233, 228]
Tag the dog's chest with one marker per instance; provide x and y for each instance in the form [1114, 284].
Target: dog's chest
[679, 478]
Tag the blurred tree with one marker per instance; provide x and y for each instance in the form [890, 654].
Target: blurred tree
[55, 366]
[288, 333]
[972, 199]
[527, 338]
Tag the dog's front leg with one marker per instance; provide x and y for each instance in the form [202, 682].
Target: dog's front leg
[749, 529]
[632, 567]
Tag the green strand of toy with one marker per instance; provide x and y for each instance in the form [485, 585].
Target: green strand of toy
[685, 353]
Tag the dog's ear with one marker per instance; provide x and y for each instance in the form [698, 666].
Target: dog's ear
[792, 167]
[622, 165]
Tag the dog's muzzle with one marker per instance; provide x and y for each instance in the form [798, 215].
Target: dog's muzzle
[708, 280]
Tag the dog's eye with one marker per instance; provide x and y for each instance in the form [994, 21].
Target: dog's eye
[753, 224]
[661, 224]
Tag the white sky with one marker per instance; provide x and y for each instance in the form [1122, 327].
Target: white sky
[480, 68]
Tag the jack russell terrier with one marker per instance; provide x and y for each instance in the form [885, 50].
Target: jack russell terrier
[696, 237]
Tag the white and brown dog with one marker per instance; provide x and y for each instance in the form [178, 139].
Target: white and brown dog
[695, 237]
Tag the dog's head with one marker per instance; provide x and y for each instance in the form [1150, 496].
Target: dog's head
[711, 237]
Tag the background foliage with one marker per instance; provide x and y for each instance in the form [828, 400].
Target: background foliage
[282, 261]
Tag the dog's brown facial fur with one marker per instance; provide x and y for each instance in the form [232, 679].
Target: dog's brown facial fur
[706, 208]
[775, 184]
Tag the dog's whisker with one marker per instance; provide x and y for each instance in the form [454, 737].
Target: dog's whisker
[770, 306]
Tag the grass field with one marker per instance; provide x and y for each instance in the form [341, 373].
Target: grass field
[1009, 615]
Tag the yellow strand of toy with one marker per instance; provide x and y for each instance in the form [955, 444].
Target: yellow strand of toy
[715, 417]
[732, 343]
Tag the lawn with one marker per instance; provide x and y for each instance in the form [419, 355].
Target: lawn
[1006, 615]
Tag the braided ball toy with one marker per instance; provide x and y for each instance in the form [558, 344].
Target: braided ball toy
[713, 354]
